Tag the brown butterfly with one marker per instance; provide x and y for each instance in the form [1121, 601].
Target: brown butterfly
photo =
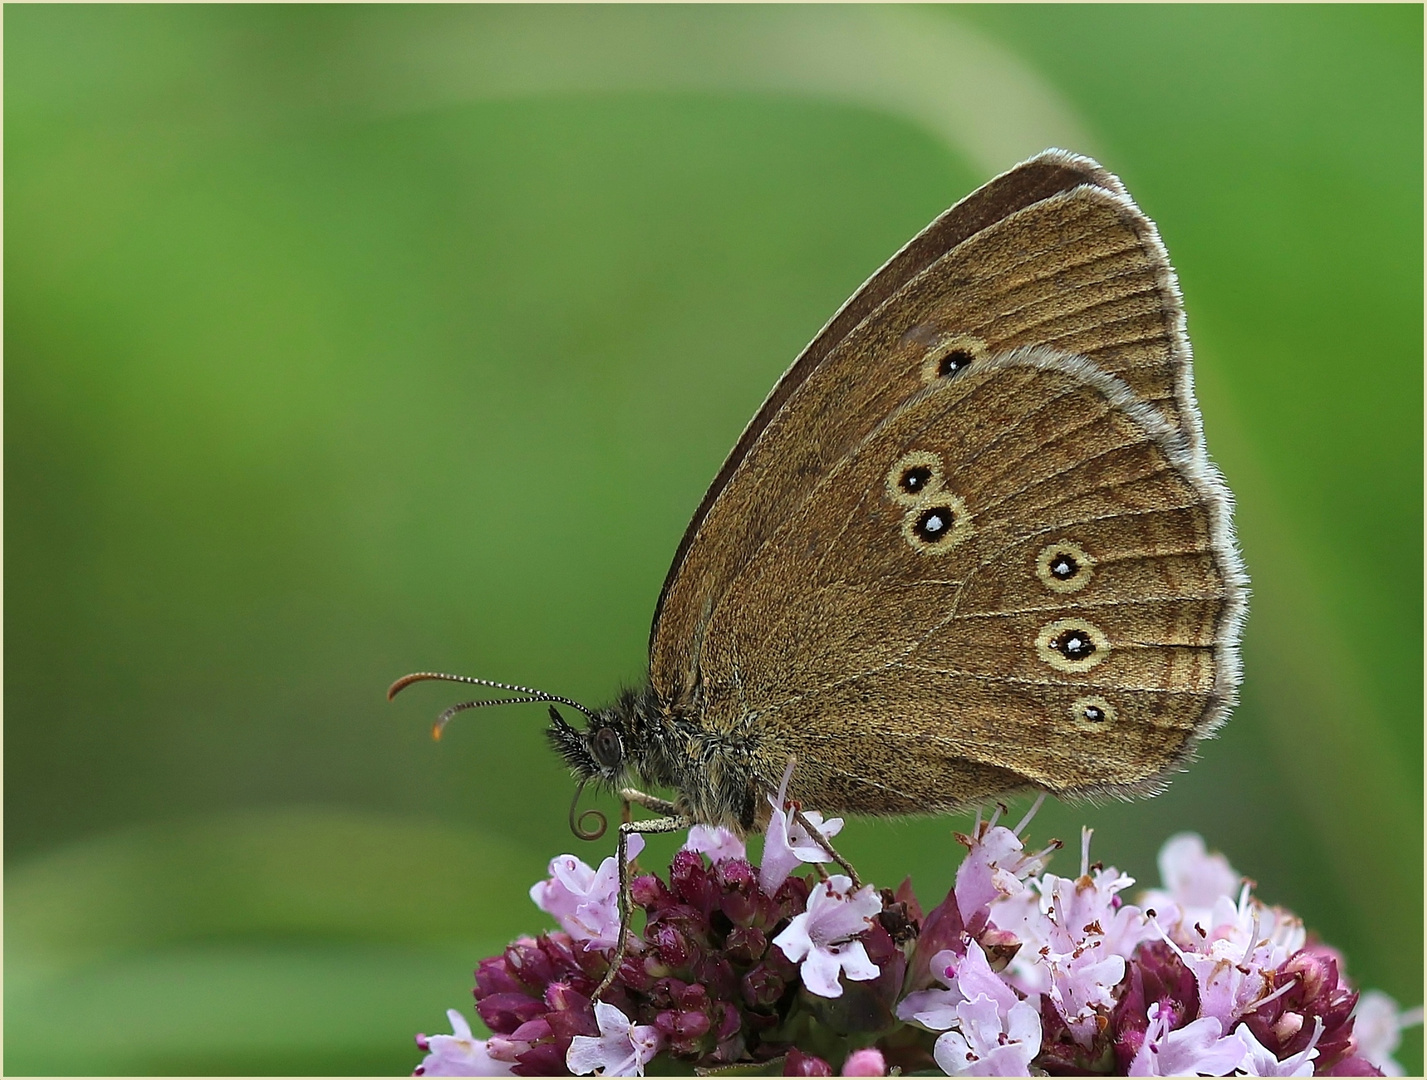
[970, 545]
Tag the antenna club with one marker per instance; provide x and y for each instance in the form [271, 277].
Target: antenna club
[406, 680]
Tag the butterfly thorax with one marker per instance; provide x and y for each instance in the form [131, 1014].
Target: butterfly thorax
[645, 741]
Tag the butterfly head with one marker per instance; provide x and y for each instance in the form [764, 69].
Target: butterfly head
[598, 752]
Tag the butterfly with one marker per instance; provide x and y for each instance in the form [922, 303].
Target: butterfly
[970, 545]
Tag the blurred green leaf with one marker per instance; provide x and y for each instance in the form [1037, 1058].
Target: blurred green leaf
[227, 944]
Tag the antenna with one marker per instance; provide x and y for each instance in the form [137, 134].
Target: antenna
[528, 694]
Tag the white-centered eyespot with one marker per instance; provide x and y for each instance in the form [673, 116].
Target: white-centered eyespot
[1064, 567]
[916, 477]
[938, 524]
[1072, 645]
[947, 356]
[1092, 713]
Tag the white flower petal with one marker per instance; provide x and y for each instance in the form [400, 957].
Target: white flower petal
[459, 1027]
[794, 941]
[954, 1054]
[820, 971]
[611, 1020]
[934, 1009]
[586, 1054]
[855, 961]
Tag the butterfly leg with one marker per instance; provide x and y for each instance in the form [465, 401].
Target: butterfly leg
[628, 796]
[649, 802]
[626, 904]
[817, 835]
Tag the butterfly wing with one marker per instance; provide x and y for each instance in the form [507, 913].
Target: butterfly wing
[1054, 252]
[1024, 576]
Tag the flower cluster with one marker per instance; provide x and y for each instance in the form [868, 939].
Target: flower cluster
[1017, 971]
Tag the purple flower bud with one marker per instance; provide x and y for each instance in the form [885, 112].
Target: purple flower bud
[746, 944]
[495, 976]
[1060, 1052]
[569, 959]
[530, 963]
[879, 944]
[503, 1013]
[790, 900]
[1155, 974]
[565, 1025]
[691, 996]
[547, 1059]
[663, 993]
[692, 883]
[563, 997]
[763, 987]
[717, 976]
[729, 1023]
[507, 1050]
[650, 893]
[532, 1031]
[738, 874]
[1285, 1025]
[798, 1063]
[682, 1026]
[673, 949]
[742, 907]
[632, 976]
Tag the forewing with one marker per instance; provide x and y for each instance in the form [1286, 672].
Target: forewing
[1052, 253]
[1023, 576]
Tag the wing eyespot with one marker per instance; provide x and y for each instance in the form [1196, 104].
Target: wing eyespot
[1064, 567]
[937, 524]
[1092, 713]
[950, 356]
[1072, 645]
[915, 478]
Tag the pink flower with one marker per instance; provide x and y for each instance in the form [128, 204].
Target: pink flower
[988, 1043]
[460, 1054]
[585, 901]
[620, 1049]
[787, 843]
[1076, 939]
[1228, 960]
[868, 1062]
[822, 938]
[718, 843]
[967, 978]
[1194, 880]
[996, 1033]
[1017, 971]
[1378, 1026]
[1196, 1048]
[936, 1009]
[995, 868]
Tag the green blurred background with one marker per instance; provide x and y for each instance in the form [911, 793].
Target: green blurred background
[347, 341]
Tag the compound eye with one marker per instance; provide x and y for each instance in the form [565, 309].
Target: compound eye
[607, 749]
